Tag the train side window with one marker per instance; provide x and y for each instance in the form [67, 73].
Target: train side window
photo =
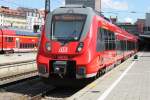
[110, 41]
[127, 46]
[98, 46]
[25, 45]
[28, 45]
[122, 45]
[106, 37]
[106, 40]
[102, 32]
[113, 41]
[20, 45]
[9, 39]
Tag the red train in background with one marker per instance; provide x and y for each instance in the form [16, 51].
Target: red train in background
[18, 41]
[78, 44]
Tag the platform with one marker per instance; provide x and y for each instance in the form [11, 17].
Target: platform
[128, 81]
[17, 57]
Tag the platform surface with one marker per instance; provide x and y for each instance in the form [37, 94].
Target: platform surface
[128, 81]
[17, 57]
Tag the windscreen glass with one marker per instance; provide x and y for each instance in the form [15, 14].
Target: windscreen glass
[67, 27]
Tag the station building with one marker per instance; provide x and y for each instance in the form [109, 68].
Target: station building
[95, 4]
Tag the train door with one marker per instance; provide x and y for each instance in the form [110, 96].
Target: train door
[17, 44]
[100, 45]
[1, 42]
[118, 47]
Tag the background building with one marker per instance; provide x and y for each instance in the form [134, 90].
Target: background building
[114, 20]
[131, 28]
[12, 18]
[140, 25]
[147, 24]
[95, 4]
[23, 18]
[34, 17]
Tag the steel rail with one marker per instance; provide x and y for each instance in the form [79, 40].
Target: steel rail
[14, 78]
[15, 63]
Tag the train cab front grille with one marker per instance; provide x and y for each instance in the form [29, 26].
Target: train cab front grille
[63, 69]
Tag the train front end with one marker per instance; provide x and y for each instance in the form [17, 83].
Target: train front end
[67, 45]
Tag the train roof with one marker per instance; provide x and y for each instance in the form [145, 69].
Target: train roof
[73, 9]
[26, 33]
[7, 32]
[18, 32]
[79, 9]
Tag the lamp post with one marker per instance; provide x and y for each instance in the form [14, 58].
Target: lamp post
[47, 7]
[100, 6]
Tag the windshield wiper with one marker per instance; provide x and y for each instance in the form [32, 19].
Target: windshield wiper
[64, 39]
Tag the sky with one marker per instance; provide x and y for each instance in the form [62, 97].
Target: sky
[125, 10]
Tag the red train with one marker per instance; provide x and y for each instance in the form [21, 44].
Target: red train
[17, 41]
[78, 44]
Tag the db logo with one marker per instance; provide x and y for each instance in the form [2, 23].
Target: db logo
[63, 50]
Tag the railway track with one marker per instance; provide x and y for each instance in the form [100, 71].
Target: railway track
[34, 89]
[11, 72]
[27, 89]
[18, 83]
[30, 87]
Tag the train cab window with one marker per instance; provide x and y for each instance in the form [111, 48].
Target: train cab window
[67, 27]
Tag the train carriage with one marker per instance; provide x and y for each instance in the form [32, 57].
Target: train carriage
[78, 44]
[12, 40]
[7, 40]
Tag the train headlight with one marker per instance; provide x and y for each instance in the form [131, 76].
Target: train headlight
[81, 71]
[48, 46]
[80, 47]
